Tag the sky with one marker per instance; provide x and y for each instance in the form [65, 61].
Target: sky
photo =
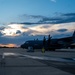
[22, 20]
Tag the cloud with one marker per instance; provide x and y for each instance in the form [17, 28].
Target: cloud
[38, 19]
[63, 18]
[13, 30]
[19, 32]
[1, 28]
[62, 30]
[46, 29]
[30, 18]
[69, 14]
[24, 33]
[1, 34]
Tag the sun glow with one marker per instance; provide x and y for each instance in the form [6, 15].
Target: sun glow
[8, 45]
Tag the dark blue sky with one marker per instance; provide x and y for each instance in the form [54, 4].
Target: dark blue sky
[11, 9]
[22, 20]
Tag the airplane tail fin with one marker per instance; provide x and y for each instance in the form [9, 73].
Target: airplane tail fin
[73, 40]
[73, 34]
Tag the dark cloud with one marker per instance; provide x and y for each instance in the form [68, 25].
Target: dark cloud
[63, 18]
[46, 26]
[67, 18]
[62, 35]
[18, 32]
[1, 28]
[1, 34]
[62, 30]
[33, 16]
[69, 14]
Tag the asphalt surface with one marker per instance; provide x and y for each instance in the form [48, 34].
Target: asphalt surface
[16, 64]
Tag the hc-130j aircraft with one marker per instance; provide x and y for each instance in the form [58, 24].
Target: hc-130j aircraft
[66, 42]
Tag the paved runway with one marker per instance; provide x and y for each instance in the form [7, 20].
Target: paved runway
[23, 65]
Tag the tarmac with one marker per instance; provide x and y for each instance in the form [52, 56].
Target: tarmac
[19, 62]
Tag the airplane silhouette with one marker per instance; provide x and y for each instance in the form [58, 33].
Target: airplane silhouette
[66, 42]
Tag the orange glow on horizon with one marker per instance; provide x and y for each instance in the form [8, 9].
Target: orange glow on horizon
[8, 45]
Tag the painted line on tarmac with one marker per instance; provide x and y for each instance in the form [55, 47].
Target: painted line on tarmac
[41, 57]
[52, 58]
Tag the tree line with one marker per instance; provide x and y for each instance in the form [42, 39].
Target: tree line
[47, 42]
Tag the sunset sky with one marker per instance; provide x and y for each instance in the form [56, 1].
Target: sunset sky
[22, 20]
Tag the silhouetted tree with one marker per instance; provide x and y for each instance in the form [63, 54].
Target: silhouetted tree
[44, 42]
[49, 41]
